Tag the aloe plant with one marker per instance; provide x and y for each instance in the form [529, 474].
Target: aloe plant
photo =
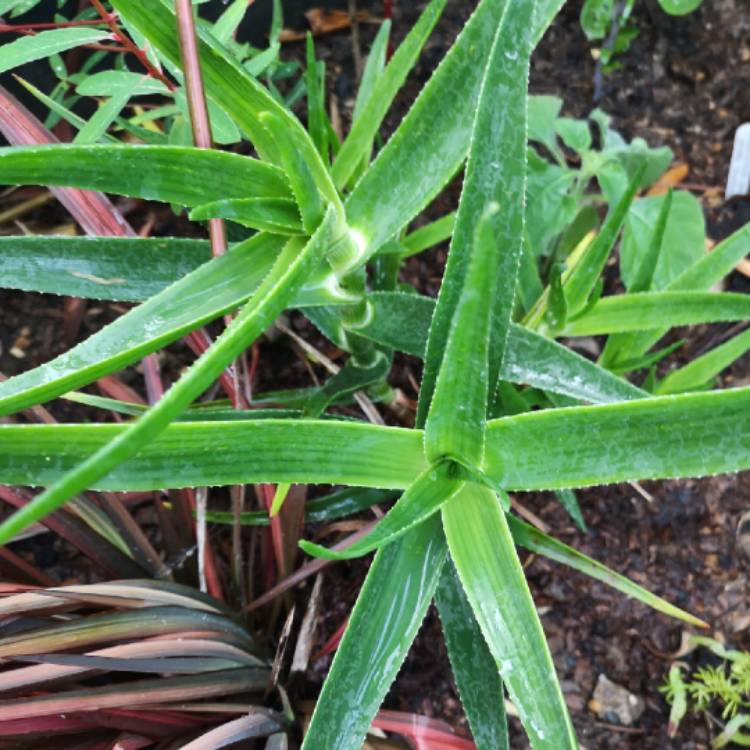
[320, 216]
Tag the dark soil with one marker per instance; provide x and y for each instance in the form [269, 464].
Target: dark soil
[685, 84]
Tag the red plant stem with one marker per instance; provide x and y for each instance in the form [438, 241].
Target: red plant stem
[196, 96]
[130, 46]
[387, 8]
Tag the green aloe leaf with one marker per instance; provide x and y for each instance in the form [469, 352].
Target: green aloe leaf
[389, 610]
[172, 174]
[477, 678]
[639, 312]
[359, 669]
[302, 176]
[484, 554]
[275, 292]
[433, 140]
[316, 108]
[455, 424]
[529, 358]
[702, 369]
[45, 44]
[199, 454]
[560, 448]
[368, 120]
[127, 269]
[374, 67]
[535, 360]
[422, 499]
[277, 215]
[542, 544]
[224, 283]
[546, 450]
[701, 276]
[207, 293]
[482, 268]
[228, 85]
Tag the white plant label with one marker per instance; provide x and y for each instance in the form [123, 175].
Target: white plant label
[738, 182]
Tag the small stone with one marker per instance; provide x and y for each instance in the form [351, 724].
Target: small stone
[615, 704]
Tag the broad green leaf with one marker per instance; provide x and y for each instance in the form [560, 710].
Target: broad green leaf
[198, 454]
[638, 312]
[596, 18]
[46, 43]
[114, 268]
[560, 448]
[679, 7]
[543, 113]
[477, 678]
[484, 554]
[542, 544]
[455, 423]
[277, 215]
[172, 174]
[683, 243]
[367, 123]
[421, 500]
[583, 277]
[275, 292]
[496, 172]
[575, 134]
[701, 370]
[529, 358]
[389, 610]
[550, 207]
